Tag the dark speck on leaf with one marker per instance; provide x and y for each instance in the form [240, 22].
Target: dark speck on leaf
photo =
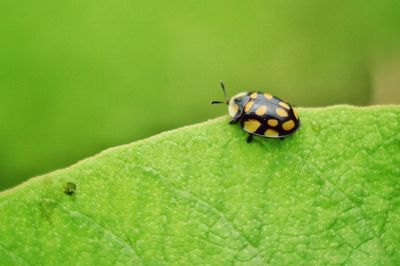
[69, 188]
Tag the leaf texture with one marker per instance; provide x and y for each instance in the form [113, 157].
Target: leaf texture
[329, 194]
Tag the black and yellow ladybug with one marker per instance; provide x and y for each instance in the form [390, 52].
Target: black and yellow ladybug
[262, 114]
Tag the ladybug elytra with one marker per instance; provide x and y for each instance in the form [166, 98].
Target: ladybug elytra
[261, 114]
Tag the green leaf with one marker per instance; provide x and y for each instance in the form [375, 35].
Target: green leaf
[329, 194]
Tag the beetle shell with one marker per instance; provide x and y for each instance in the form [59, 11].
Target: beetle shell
[264, 115]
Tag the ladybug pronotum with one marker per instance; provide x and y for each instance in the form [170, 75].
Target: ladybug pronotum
[261, 114]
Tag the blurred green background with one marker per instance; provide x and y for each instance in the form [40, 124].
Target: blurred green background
[77, 77]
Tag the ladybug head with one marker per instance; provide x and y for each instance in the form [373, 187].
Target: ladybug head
[235, 104]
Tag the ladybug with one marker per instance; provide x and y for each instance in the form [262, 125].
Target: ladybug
[261, 114]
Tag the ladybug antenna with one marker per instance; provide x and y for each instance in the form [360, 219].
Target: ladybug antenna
[223, 89]
[226, 97]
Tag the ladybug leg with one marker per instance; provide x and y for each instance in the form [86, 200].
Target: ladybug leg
[282, 138]
[249, 138]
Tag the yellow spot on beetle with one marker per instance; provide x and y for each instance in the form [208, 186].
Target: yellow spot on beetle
[254, 95]
[283, 104]
[233, 109]
[248, 106]
[272, 122]
[288, 125]
[295, 114]
[271, 133]
[251, 125]
[281, 112]
[261, 110]
[268, 96]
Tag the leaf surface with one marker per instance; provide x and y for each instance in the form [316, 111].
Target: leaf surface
[329, 194]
